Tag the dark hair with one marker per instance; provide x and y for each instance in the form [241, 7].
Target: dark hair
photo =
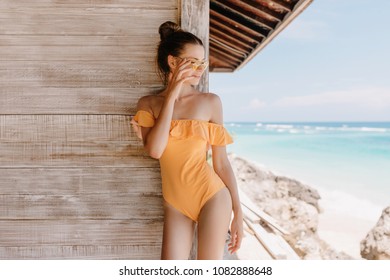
[173, 41]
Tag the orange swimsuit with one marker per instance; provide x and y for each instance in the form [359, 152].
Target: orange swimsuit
[188, 181]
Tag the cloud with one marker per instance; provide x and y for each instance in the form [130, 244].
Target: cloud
[370, 98]
[255, 104]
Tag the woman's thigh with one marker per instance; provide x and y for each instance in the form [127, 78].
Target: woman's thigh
[213, 225]
[177, 234]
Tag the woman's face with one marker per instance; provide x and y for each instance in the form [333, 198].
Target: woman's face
[198, 64]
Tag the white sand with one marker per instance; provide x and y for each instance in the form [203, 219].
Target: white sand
[346, 220]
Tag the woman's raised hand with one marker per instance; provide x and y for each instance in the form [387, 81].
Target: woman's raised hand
[178, 77]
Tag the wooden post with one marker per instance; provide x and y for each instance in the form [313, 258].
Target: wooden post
[195, 18]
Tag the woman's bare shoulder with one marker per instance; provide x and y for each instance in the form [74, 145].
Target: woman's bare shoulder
[211, 99]
[149, 102]
[211, 105]
[209, 96]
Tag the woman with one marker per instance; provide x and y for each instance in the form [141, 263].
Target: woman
[177, 126]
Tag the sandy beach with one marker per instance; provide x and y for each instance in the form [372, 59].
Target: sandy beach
[345, 220]
[340, 222]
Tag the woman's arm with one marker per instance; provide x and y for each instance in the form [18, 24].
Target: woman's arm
[155, 138]
[224, 170]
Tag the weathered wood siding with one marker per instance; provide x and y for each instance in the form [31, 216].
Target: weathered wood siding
[195, 18]
[75, 181]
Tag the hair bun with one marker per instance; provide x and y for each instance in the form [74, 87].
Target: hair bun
[167, 29]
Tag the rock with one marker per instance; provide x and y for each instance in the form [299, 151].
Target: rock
[311, 247]
[376, 245]
[293, 204]
[300, 191]
[294, 215]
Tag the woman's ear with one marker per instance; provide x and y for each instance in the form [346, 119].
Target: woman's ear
[172, 61]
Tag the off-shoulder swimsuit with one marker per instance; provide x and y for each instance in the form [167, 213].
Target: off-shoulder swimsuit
[188, 181]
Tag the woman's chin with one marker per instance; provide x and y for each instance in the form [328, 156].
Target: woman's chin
[194, 81]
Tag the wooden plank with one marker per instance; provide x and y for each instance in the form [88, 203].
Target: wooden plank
[266, 240]
[251, 248]
[104, 74]
[82, 252]
[81, 232]
[82, 101]
[245, 200]
[275, 244]
[85, 52]
[136, 4]
[129, 41]
[114, 129]
[290, 253]
[250, 215]
[76, 21]
[79, 207]
[70, 140]
[75, 154]
[80, 181]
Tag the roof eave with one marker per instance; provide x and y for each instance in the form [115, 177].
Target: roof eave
[300, 7]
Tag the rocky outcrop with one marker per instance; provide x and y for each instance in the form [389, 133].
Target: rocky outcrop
[376, 245]
[293, 204]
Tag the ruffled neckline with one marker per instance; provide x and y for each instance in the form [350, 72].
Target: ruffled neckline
[211, 132]
[194, 121]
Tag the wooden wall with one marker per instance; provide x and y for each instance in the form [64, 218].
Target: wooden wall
[75, 181]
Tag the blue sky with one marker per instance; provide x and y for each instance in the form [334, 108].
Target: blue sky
[332, 63]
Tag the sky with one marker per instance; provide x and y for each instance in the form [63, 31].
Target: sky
[332, 63]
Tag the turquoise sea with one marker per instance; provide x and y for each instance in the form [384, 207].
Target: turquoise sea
[349, 157]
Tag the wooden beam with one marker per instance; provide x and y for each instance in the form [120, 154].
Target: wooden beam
[233, 55]
[250, 13]
[273, 243]
[285, 5]
[230, 40]
[195, 18]
[240, 19]
[224, 57]
[265, 9]
[217, 62]
[221, 20]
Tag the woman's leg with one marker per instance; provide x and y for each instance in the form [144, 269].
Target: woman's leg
[177, 234]
[213, 226]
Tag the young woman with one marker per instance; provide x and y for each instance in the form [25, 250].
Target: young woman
[177, 126]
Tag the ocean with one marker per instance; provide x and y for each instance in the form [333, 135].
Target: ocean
[346, 158]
